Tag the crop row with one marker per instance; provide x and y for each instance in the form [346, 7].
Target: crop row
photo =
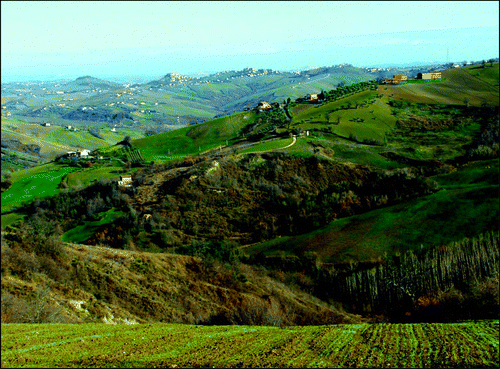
[361, 345]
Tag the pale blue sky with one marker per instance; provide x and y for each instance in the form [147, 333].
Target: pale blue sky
[70, 39]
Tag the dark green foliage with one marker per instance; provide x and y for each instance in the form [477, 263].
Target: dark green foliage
[343, 91]
[442, 277]
[222, 251]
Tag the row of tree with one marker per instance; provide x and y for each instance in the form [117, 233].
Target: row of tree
[407, 283]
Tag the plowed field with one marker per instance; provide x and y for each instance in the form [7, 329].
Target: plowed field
[471, 344]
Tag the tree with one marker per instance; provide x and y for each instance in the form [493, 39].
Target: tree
[126, 141]
[7, 182]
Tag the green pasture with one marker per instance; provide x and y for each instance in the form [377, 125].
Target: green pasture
[467, 205]
[431, 345]
[332, 147]
[369, 121]
[178, 107]
[38, 183]
[56, 140]
[193, 140]
[479, 174]
[343, 150]
[474, 83]
[28, 133]
[85, 177]
[82, 232]
[26, 173]
[410, 81]
[269, 145]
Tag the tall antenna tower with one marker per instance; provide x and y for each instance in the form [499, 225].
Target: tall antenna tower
[447, 55]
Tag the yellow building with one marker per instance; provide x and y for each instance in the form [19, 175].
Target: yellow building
[396, 79]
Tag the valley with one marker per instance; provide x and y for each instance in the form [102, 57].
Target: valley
[336, 207]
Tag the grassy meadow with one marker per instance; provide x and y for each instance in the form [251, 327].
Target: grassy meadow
[41, 181]
[56, 140]
[369, 121]
[477, 84]
[85, 177]
[430, 345]
[193, 140]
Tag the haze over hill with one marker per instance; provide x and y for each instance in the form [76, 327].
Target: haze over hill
[296, 35]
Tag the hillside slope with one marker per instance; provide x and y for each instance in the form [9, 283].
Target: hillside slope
[475, 83]
[45, 143]
[78, 283]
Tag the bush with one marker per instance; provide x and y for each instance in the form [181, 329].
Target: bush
[222, 251]
[36, 308]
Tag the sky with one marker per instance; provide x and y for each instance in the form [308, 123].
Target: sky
[65, 39]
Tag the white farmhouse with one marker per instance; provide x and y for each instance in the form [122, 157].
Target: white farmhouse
[84, 153]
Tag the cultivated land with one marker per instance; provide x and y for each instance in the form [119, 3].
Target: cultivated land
[459, 345]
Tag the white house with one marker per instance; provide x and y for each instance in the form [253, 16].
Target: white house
[84, 153]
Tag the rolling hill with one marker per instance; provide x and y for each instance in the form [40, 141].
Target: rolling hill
[476, 83]
[308, 194]
[45, 143]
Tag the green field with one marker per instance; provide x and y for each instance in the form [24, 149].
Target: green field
[193, 140]
[269, 145]
[477, 84]
[41, 181]
[458, 345]
[369, 121]
[81, 233]
[85, 177]
[56, 140]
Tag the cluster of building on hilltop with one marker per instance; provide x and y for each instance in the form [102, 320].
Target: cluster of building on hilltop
[398, 78]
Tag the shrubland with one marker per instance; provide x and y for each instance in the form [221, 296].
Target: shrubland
[44, 280]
